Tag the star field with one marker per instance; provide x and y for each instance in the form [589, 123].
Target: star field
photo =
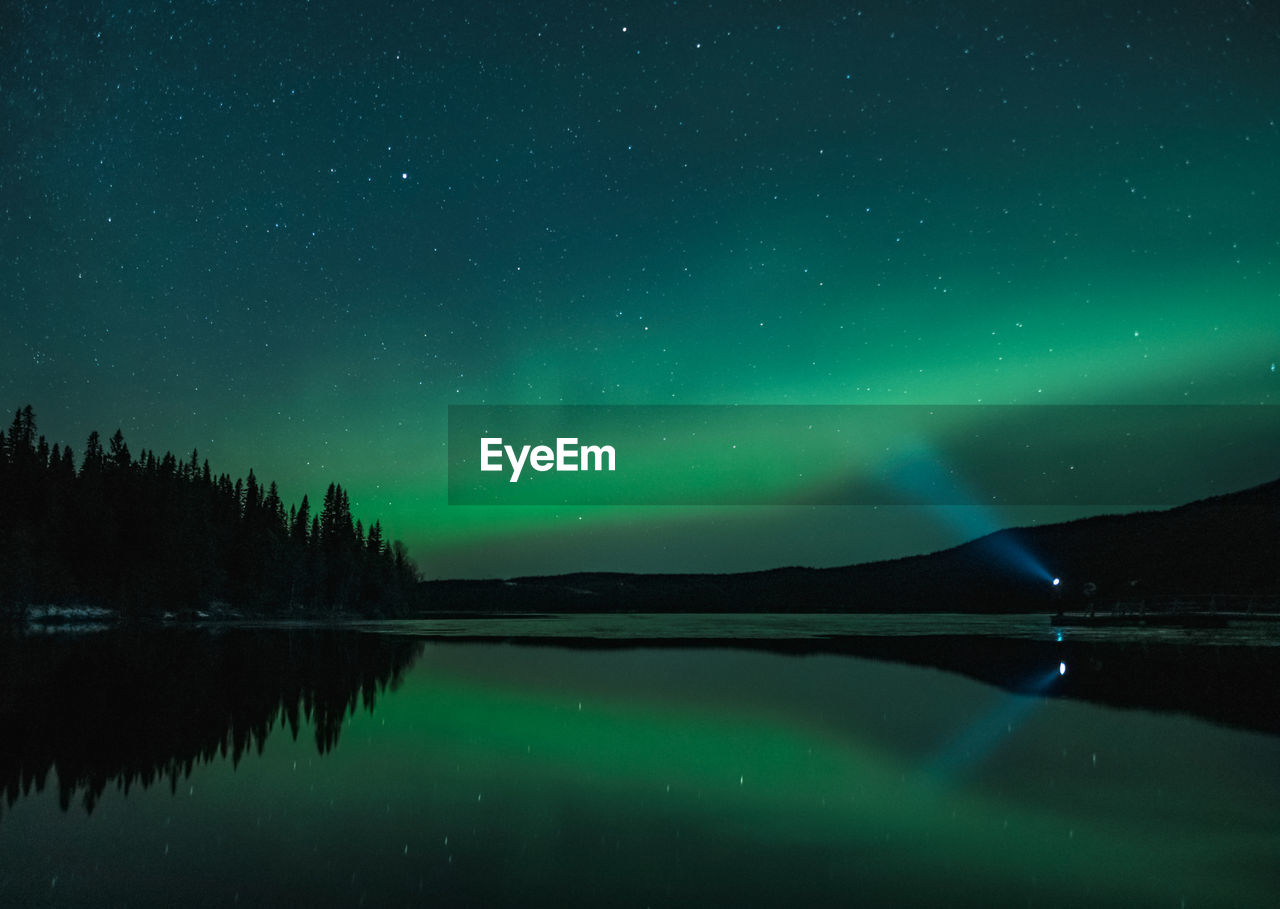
[290, 234]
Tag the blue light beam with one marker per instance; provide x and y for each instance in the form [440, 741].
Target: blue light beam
[919, 474]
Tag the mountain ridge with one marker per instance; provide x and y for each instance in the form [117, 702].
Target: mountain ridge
[1226, 545]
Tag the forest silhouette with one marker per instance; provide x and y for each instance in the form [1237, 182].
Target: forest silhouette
[150, 535]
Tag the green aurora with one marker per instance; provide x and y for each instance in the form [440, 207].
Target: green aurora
[291, 237]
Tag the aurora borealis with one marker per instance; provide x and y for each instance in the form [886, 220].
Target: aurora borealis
[291, 234]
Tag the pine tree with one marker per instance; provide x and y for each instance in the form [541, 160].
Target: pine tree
[273, 512]
[118, 454]
[300, 525]
[94, 458]
[22, 431]
[252, 499]
[155, 533]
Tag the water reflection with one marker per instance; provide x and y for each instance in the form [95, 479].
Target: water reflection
[133, 708]
[1225, 684]
[1232, 684]
[504, 775]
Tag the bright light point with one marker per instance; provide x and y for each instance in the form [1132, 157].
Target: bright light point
[1059, 637]
[1057, 581]
[1062, 669]
[404, 176]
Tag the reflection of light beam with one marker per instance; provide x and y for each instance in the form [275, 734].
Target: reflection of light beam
[920, 475]
[974, 743]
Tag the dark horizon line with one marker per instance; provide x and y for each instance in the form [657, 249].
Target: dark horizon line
[1102, 515]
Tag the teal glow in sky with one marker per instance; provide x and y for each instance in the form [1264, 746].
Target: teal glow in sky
[291, 234]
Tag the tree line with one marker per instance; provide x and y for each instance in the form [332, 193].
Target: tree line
[148, 535]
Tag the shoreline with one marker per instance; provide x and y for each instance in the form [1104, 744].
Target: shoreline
[1204, 673]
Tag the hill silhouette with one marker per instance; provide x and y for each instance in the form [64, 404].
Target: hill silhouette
[1227, 546]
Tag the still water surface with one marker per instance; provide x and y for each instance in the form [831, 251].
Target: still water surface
[347, 768]
[1252, 631]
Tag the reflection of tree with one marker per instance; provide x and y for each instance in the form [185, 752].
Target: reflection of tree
[134, 708]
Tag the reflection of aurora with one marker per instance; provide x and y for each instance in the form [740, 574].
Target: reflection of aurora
[498, 775]
[767, 779]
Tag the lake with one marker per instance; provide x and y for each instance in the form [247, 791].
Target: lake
[642, 761]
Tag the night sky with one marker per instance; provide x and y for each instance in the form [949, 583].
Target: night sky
[290, 234]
